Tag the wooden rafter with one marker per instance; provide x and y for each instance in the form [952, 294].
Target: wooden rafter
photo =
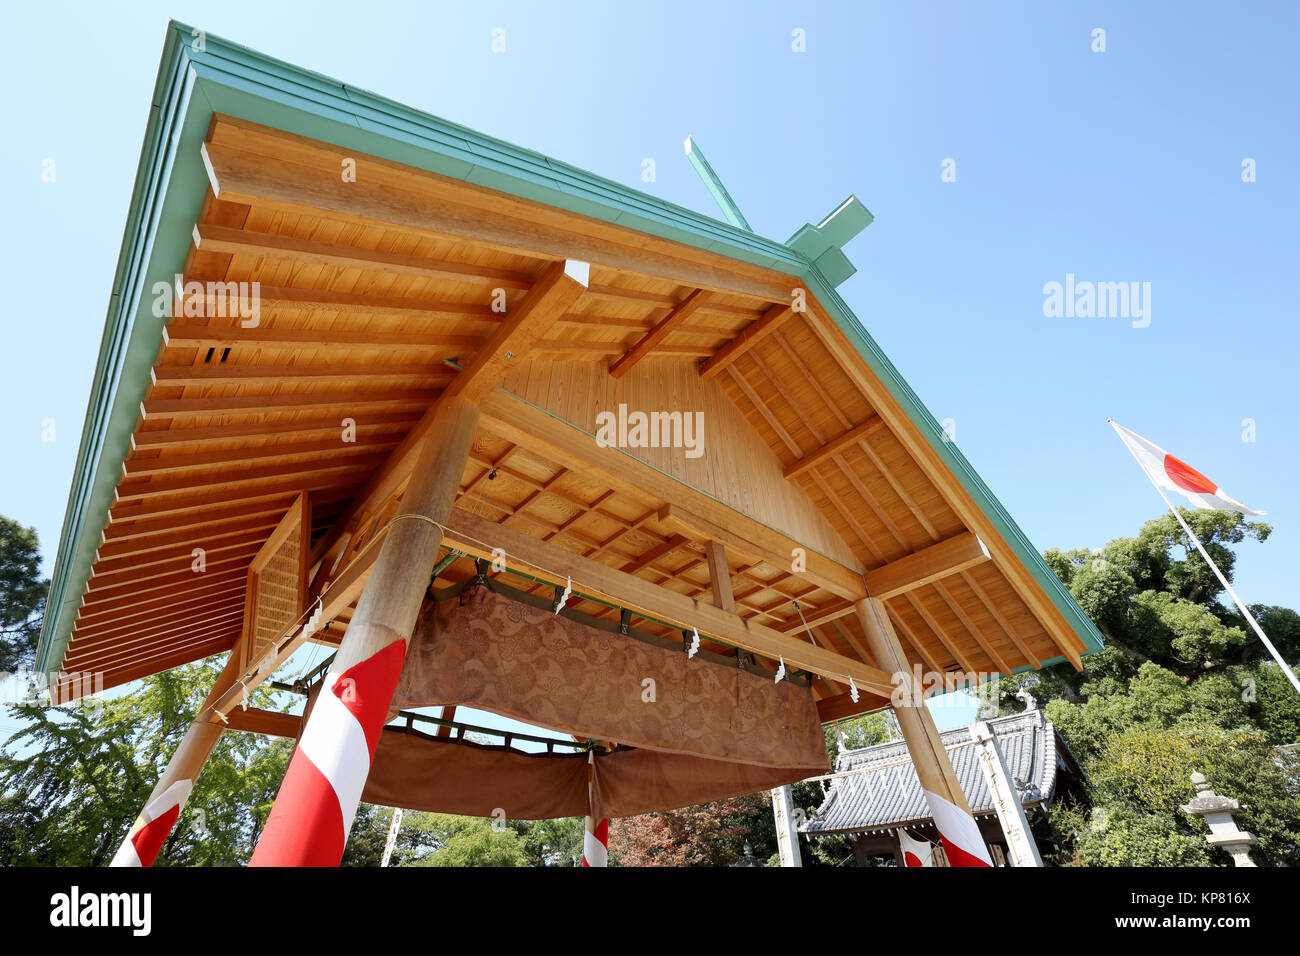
[950, 556]
[749, 337]
[546, 302]
[680, 314]
[833, 447]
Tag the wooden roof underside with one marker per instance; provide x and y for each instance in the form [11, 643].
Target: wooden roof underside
[366, 314]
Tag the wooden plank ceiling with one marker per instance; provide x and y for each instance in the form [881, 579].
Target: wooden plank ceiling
[365, 317]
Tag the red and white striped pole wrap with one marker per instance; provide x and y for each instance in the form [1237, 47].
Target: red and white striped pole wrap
[962, 842]
[313, 813]
[161, 813]
[595, 843]
[595, 836]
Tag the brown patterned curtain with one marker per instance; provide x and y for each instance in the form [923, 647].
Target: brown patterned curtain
[688, 730]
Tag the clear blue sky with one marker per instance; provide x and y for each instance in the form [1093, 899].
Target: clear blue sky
[1115, 166]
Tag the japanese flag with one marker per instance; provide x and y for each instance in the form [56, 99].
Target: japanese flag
[1174, 475]
[915, 853]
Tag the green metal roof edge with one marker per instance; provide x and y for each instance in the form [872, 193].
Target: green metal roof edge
[125, 357]
[169, 188]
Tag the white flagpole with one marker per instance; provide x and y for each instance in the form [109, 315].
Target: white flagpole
[1290, 674]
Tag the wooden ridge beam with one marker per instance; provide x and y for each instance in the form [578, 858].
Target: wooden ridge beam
[949, 556]
[478, 536]
[834, 446]
[748, 337]
[680, 314]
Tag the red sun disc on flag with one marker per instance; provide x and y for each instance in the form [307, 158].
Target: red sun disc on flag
[1187, 477]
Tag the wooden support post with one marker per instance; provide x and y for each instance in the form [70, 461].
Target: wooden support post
[957, 827]
[309, 823]
[163, 808]
[720, 576]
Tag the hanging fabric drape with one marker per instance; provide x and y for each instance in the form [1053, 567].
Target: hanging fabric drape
[688, 730]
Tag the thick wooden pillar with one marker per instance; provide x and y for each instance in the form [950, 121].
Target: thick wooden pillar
[163, 808]
[957, 828]
[309, 823]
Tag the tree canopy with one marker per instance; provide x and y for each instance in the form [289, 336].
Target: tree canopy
[22, 595]
[1182, 685]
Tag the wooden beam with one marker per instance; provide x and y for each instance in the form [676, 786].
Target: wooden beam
[178, 408]
[308, 474]
[478, 536]
[223, 239]
[749, 337]
[949, 556]
[167, 376]
[680, 313]
[255, 720]
[317, 451]
[756, 540]
[544, 305]
[341, 340]
[364, 304]
[257, 165]
[720, 576]
[256, 431]
[834, 446]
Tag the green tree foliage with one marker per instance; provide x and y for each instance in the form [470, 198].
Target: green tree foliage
[1182, 685]
[75, 777]
[441, 839]
[22, 595]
